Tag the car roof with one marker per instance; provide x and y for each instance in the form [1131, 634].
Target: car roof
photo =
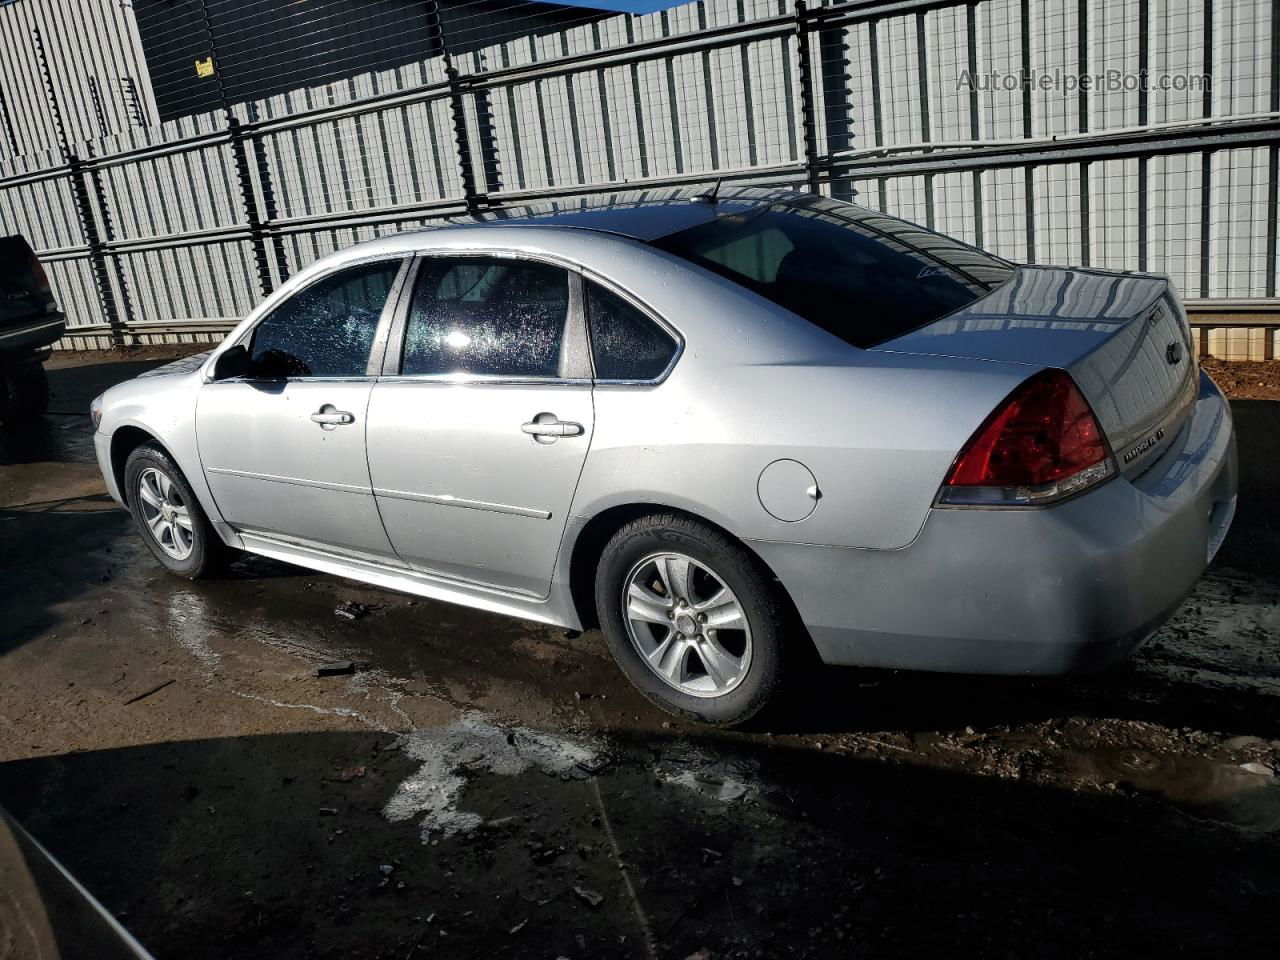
[639, 215]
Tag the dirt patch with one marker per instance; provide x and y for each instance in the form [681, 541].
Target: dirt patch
[1245, 379]
[136, 352]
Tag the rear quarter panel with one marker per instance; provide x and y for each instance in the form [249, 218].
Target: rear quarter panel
[756, 384]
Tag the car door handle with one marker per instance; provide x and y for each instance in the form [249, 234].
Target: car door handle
[332, 417]
[552, 428]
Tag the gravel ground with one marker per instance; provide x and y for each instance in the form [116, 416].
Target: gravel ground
[1246, 380]
[484, 787]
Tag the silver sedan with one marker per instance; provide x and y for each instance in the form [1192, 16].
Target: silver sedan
[729, 429]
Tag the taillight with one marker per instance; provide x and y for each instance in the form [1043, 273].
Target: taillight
[41, 278]
[1042, 444]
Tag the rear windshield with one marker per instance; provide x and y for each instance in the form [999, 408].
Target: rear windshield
[858, 274]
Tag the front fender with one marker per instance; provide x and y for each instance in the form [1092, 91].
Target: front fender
[164, 407]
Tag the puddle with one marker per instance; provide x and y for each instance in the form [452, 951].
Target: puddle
[187, 622]
[473, 746]
[1204, 787]
[725, 780]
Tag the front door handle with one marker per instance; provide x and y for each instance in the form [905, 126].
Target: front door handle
[546, 428]
[326, 416]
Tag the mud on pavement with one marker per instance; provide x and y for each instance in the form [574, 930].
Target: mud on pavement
[472, 786]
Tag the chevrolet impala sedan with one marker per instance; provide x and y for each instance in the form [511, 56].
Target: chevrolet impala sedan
[730, 430]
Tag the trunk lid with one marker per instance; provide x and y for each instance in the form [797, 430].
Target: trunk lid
[1123, 337]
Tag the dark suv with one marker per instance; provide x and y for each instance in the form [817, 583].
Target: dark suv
[29, 323]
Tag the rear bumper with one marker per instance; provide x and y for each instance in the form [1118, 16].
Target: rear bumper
[1052, 590]
[31, 335]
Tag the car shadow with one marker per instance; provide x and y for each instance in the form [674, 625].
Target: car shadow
[272, 847]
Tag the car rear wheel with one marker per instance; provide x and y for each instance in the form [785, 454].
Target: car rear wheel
[169, 516]
[693, 619]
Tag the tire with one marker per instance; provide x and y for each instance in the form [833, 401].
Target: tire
[193, 553]
[25, 390]
[714, 672]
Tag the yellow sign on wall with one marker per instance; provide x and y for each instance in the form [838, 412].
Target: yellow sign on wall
[204, 68]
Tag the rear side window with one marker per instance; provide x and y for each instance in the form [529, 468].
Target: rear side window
[487, 316]
[326, 329]
[625, 344]
[858, 274]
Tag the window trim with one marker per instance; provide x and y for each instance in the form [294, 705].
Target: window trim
[661, 322]
[576, 344]
[377, 348]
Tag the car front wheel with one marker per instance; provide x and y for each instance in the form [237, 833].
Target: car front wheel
[692, 617]
[169, 517]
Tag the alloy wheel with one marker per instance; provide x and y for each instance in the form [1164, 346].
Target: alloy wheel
[165, 514]
[687, 625]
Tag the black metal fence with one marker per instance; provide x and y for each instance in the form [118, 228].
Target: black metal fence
[176, 229]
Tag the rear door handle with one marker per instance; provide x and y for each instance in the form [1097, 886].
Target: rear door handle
[545, 425]
[330, 418]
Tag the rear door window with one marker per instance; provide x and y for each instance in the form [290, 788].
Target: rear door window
[487, 316]
[625, 343]
[858, 274]
[327, 328]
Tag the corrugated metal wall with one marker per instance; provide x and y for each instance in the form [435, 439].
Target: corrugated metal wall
[95, 62]
[1182, 182]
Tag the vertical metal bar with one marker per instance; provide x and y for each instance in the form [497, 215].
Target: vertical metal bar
[1143, 205]
[1029, 202]
[1207, 105]
[10, 135]
[1082, 62]
[1206, 223]
[132, 102]
[808, 110]
[244, 173]
[1144, 57]
[1086, 252]
[80, 184]
[1273, 170]
[472, 197]
[1273, 213]
[975, 124]
[926, 124]
[1024, 15]
[99, 109]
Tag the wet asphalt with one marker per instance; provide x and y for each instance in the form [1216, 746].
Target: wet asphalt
[485, 787]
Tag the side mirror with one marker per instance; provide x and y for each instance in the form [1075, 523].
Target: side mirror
[234, 362]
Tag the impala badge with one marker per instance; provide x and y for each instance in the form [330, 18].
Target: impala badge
[1173, 353]
[1146, 444]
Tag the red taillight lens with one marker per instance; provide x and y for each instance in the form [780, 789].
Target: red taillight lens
[42, 278]
[1041, 444]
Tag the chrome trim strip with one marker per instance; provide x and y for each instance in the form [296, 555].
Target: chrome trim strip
[482, 379]
[364, 378]
[449, 500]
[389, 560]
[494, 599]
[296, 481]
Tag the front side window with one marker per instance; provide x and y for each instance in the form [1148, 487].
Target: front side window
[625, 344]
[858, 274]
[487, 316]
[326, 329]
